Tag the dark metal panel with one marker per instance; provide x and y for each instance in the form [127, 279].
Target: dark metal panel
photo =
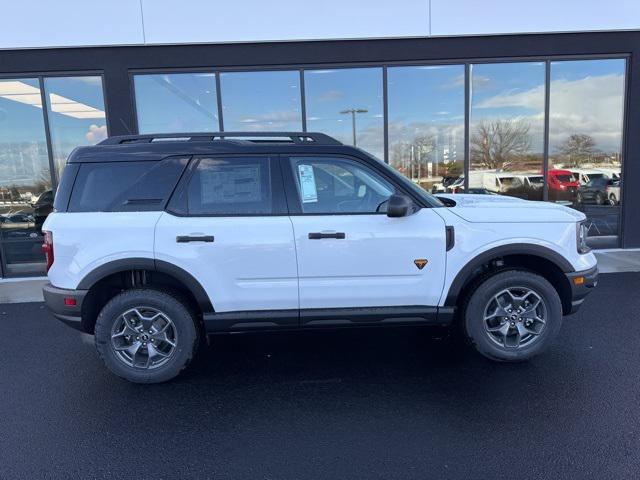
[467, 125]
[629, 221]
[545, 148]
[385, 113]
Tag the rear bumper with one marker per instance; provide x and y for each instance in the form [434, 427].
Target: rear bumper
[581, 288]
[55, 297]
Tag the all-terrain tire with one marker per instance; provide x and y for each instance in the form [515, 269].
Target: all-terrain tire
[480, 305]
[183, 325]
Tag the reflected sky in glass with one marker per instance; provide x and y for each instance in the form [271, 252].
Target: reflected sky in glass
[182, 102]
[587, 98]
[426, 121]
[329, 92]
[510, 91]
[23, 152]
[75, 106]
[261, 101]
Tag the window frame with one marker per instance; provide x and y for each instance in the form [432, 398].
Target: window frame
[292, 191]
[276, 185]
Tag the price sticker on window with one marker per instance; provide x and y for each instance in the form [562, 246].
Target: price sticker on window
[308, 189]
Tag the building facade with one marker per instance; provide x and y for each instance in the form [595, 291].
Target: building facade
[457, 106]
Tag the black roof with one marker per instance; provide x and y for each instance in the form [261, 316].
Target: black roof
[157, 147]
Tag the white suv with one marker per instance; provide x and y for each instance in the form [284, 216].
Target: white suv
[157, 241]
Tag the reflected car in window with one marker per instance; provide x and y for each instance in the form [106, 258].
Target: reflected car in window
[599, 191]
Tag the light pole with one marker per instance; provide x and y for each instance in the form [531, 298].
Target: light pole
[353, 112]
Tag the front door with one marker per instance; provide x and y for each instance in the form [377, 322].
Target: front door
[350, 254]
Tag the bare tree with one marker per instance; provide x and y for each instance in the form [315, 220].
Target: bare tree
[578, 148]
[500, 143]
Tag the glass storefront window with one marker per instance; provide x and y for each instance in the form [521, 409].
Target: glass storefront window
[506, 141]
[178, 102]
[25, 176]
[426, 124]
[261, 101]
[75, 108]
[347, 104]
[585, 142]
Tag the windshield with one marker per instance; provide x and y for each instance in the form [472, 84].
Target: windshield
[564, 178]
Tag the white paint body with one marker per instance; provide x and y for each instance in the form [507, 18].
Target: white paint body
[269, 263]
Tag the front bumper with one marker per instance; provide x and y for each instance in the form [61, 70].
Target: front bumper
[582, 284]
[55, 297]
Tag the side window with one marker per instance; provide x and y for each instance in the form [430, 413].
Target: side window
[125, 186]
[228, 186]
[334, 185]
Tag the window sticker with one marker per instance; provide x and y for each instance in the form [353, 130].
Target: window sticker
[231, 185]
[308, 189]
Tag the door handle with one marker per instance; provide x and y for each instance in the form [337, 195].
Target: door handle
[321, 235]
[194, 238]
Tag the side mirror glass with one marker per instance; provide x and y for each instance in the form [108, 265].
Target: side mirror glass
[399, 206]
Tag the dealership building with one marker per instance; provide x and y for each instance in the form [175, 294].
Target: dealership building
[539, 100]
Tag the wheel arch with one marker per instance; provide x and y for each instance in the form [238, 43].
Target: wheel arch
[536, 258]
[108, 279]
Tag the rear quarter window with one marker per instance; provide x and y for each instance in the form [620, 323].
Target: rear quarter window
[125, 186]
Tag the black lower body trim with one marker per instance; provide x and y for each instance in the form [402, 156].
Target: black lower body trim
[579, 292]
[71, 315]
[326, 318]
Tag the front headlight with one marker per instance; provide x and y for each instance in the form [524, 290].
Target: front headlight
[581, 237]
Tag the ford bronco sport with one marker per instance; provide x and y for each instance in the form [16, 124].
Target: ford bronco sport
[159, 240]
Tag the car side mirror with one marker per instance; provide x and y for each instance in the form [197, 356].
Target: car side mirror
[399, 206]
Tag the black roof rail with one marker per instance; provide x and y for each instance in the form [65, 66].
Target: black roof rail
[298, 138]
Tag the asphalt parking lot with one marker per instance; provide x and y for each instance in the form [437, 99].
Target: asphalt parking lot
[375, 404]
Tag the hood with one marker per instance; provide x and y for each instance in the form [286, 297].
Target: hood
[501, 209]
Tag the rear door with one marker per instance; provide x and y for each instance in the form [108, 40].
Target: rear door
[350, 254]
[227, 225]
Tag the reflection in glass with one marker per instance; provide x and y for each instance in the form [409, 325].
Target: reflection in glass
[426, 124]
[179, 102]
[261, 101]
[24, 174]
[347, 104]
[75, 107]
[507, 129]
[585, 141]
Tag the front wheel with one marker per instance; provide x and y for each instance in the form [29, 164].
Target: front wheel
[513, 315]
[146, 335]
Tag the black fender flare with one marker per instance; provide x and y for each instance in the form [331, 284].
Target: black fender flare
[501, 251]
[125, 264]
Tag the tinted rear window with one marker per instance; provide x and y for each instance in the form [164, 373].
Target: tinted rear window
[125, 186]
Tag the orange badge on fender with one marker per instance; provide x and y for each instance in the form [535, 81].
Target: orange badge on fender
[420, 262]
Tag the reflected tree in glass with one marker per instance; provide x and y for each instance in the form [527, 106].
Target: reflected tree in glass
[507, 129]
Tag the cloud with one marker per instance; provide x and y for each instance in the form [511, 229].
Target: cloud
[96, 133]
[276, 120]
[591, 105]
[531, 99]
[330, 96]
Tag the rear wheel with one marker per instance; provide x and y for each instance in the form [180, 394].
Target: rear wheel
[513, 315]
[146, 335]
[612, 199]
